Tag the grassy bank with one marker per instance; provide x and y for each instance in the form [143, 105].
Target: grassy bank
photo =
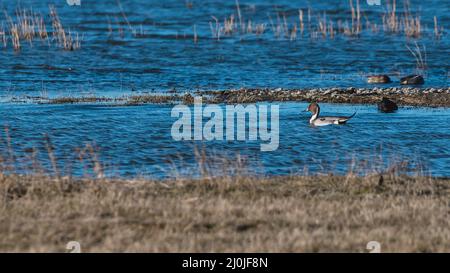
[323, 213]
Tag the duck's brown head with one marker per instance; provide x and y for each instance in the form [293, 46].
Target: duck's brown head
[313, 108]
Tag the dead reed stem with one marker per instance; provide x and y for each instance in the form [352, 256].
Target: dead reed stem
[239, 15]
[119, 4]
[300, 16]
[27, 25]
[437, 31]
[3, 36]
[420, 55]
[195, 34]
[15, 36]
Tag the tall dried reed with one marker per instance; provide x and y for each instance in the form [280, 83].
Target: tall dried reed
[393, 20]
[3, 37]
[438, 31]
[66, 39]
[16, 163]
[195, 34]
[420, 56]
[15, 36]
[28, 25]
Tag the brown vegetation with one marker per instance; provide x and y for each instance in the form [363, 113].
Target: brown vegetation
[321, 25]
[27, 25]
[290, 214]
[407, 96]
[127, 100]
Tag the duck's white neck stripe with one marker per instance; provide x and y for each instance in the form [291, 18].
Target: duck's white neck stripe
[314, 117]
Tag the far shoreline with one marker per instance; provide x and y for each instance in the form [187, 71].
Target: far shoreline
[403, 96]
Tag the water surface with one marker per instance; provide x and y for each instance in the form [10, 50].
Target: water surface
[163, 55]
[136, 140]
[134, 47]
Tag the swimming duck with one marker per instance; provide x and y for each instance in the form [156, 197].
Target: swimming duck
[378, 79]
[387, 106]
[412, 79]
[322, 121]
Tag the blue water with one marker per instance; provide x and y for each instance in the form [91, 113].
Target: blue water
[136, 140]
[164, 56]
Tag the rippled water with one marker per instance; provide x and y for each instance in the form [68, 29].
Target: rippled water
[164, 56]
[136, 140]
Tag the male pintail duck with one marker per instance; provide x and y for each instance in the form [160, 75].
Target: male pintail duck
[322, 121]
[378, 79]
[387, 106]
[412, 79]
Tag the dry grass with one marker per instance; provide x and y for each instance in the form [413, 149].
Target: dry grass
[438, 31]
[292, 214]
[64, 38]
[420, 56]
[143, 99]
[3, 37]
[123, 100]
[319, 25]
[15, 38]
[87, 99]
[26, 26]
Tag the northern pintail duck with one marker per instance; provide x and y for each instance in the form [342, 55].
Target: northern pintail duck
[378, 79]
[387, 106]
[322, 121]
[412, 79]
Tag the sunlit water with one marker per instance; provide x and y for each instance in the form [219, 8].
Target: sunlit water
[133, 141]
[137, 140]
[166, 57]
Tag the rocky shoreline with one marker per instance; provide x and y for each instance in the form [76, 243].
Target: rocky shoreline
[403, 96]
[407, 96]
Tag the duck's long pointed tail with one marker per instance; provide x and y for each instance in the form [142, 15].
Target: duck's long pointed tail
[351, 115]
[343, 120]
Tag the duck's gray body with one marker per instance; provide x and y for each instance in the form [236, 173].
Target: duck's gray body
[412, 80]
[316, 120]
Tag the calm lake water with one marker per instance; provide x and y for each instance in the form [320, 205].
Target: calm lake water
[136, 140]
[174, 49]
